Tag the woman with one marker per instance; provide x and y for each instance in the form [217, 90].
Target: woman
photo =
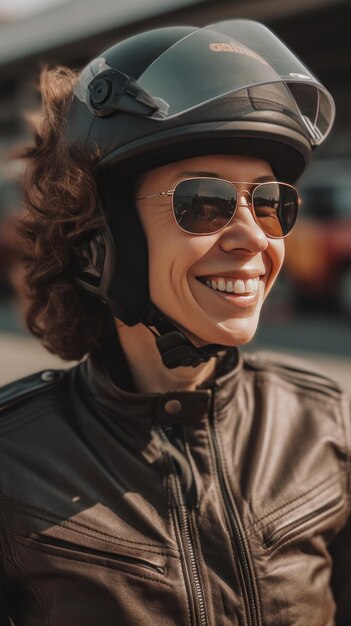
[167, 479]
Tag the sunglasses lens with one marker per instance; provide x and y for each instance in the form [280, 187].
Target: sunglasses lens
[276, 206]
[203, 205]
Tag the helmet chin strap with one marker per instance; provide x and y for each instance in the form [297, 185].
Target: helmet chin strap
[175, 348]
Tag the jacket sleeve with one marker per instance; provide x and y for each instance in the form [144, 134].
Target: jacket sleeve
[340, 546]
[4, 619]
[4, 616]
[340, 550]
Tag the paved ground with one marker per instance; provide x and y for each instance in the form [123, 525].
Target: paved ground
[20, 356]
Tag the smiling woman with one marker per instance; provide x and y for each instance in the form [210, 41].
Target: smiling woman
[166, 478]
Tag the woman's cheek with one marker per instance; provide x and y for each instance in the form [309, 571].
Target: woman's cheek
[168, 277]
[273, 261]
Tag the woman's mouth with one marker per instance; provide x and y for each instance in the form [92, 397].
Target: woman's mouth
[236, 286]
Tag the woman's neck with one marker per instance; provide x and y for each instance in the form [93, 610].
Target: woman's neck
[146, 367]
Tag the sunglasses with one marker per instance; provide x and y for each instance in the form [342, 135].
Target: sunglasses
[204, 206]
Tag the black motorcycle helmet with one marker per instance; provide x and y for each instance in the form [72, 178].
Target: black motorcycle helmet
[174, 93]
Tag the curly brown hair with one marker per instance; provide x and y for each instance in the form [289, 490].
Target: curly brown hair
[60, 195]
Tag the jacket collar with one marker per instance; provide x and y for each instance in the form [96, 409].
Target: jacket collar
[161, 408]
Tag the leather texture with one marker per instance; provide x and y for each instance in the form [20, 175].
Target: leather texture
[224, 506]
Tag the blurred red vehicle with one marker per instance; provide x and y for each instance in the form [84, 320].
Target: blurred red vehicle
[7, 249]
[10, 206]
[318, 252]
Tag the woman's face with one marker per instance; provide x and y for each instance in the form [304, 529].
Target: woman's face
[185, 268]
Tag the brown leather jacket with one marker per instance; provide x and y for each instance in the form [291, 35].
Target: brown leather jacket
[224, 506]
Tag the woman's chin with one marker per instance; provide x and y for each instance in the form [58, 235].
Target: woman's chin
[230, 333]
[239, 331]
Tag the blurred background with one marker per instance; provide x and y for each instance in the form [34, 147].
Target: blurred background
[309, 311]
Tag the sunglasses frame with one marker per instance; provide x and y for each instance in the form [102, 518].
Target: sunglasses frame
[171, 192]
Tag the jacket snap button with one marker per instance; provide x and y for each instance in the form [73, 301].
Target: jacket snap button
[172, 407]
[48, 376]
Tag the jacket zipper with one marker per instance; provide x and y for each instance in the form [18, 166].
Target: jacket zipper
[234, 524]
[184, 505]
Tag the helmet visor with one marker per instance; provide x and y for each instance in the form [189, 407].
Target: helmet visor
[228, 57]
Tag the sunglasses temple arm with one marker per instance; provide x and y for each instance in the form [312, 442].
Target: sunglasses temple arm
[155, 195]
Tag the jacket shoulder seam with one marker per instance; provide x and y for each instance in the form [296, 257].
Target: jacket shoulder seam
[291, 370]
[28, 387]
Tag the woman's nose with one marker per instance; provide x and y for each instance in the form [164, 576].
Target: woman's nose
[243, 231]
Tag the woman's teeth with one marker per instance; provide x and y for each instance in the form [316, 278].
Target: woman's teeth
[234, 286]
